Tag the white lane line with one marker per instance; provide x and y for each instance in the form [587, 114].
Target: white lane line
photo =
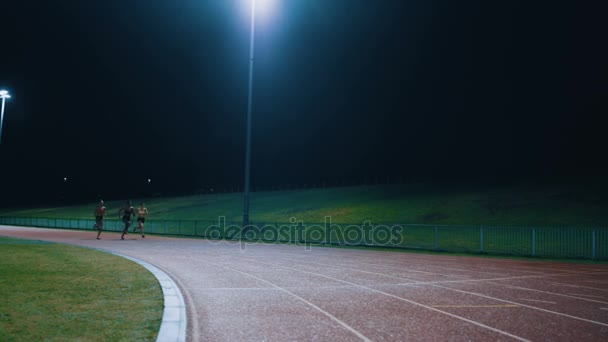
[464, 277]
[585, 295]
[402, 269]
[525, 305]
[547, 292]
[577, 286]
[378, 291]
[603, 308]
[567, 285]
[490, 281]
[426, 261]
[274, 289]
[439, 267]
[417, 282]
[536, 300]
[346, 326]
[560, 271]
[500, 306]
[537, 265]
[405, 300]
[490, 267]
[456, 290]
[356, 270]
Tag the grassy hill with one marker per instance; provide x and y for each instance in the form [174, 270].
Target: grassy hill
[495, 206]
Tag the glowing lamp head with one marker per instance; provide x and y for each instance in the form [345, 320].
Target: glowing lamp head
[264, 9]
[4, 94]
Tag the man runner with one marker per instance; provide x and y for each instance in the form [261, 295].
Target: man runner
[126, 212]
[100, 212]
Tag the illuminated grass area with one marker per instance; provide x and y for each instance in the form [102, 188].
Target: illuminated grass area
[419, 204]
[56, 292]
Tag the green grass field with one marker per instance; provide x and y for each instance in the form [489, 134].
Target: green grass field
[405, 204]
[509, 220]
[54, 292]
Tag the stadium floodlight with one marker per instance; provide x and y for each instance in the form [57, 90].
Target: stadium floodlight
[3, 95]
[265, 8]
[248, 132]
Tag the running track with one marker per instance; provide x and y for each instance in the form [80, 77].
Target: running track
[285, 293]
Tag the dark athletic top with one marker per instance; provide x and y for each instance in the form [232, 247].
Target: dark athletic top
[127, 212]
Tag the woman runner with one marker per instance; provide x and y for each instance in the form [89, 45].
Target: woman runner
[142, 212]
[126, 214]
[100, 212]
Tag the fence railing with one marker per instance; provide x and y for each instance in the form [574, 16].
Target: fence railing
[583, 243]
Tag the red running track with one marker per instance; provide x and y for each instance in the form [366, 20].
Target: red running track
[282, 292]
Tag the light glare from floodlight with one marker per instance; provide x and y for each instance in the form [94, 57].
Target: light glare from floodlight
[263, 8]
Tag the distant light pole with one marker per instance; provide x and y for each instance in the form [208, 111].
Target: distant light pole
[249, 103]
[3, 95]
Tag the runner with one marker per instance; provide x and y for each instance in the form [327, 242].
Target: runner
[126, 212]
[100, 212]
[142, 212]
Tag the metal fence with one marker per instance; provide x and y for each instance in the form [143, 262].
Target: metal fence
[582, 243]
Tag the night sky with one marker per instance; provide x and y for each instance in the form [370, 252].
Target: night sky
[109, 93]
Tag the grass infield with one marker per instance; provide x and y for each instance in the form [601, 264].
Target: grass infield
[56, 292]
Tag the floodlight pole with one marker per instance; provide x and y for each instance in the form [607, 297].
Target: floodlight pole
[249, 103]
[4, 95]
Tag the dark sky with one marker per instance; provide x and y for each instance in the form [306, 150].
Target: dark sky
[110, 93]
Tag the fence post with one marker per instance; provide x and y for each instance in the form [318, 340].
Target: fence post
[481, 239]
[533, 242]
[436, 237]
[300, 232]
[276, 229]
[593, 243]
[327, 231]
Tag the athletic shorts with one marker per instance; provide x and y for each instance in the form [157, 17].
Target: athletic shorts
[141, 219]
[99, 222]
[126, 219]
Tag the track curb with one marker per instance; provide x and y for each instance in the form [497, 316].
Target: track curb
[174, 322]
